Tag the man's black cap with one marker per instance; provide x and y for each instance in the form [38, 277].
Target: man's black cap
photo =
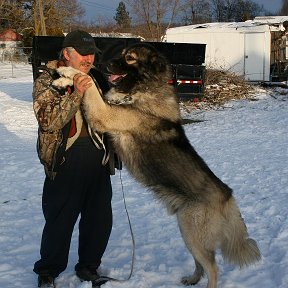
[81, 41]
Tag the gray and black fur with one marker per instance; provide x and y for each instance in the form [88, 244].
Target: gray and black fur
[141, 114]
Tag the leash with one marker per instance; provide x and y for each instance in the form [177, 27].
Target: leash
[104, 279]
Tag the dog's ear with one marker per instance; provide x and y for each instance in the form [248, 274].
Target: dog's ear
[159, 63]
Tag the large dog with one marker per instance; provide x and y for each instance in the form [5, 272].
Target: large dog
[142, 116]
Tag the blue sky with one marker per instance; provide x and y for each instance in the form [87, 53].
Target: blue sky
[106, 9]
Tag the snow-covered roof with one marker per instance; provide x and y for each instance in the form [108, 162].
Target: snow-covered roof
[113, 35]
[272, 23]
[277, 22]
[270, 19]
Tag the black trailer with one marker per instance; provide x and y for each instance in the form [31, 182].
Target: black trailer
[187, 60]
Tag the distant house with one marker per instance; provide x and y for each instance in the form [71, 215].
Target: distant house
[10, 35]
[256, 49]
[10, 41]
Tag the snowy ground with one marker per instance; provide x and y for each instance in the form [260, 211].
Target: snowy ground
[245, 144]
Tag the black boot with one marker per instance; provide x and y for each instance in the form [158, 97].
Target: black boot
[87, 274]
[46, 281]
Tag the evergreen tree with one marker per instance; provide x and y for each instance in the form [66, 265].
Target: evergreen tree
[122, 16]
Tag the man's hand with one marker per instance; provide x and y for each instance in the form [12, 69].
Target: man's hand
[81, 83]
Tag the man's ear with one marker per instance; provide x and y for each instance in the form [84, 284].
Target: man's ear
[66, 54]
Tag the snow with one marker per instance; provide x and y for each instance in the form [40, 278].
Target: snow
[245, 144]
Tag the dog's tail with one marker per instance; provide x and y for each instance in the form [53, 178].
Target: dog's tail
[236, 246]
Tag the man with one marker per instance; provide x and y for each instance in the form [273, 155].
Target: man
[77, 177]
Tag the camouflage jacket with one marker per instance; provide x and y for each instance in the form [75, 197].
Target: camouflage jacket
[54, 110]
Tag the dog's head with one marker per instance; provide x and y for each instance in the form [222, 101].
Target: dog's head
[139, 64]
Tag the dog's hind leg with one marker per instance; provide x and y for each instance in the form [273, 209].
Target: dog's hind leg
[197, 275]
[194, 233]
[205, 261]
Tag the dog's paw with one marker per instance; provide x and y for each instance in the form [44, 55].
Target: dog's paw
[62, 82]
[191, 280]
[68, 72]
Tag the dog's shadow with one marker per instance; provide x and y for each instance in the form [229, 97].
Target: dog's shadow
[190, 121]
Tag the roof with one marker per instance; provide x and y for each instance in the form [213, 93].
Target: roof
[113, 35]
[10, 35]
[272, 23]
[271, 19]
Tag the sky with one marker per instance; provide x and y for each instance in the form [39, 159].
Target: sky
[107, 9]
[100, 8]
[244, 143]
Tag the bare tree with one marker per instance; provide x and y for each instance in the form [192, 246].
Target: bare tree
[284, 9]
[235, 10]
[247, 10]
[16, 12]
[156, 15]
[60, 15]
[196, 11]
[218, 9]
[41, 18]
[54, 16]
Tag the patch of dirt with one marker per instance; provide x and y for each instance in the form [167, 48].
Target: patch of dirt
[220, 87]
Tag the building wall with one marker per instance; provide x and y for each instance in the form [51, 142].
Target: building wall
[225, 49]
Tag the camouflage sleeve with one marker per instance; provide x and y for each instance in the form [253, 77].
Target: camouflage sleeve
[52, 108]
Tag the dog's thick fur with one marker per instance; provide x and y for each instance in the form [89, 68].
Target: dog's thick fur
[141, 113]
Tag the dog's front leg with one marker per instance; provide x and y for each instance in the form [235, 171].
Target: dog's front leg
[95, 109]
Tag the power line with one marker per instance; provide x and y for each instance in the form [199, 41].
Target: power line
[97, 9]
[97, 5]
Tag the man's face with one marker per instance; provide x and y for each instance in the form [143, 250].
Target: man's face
[78, 61]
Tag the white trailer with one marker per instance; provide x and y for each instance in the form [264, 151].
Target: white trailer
[240, 47]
